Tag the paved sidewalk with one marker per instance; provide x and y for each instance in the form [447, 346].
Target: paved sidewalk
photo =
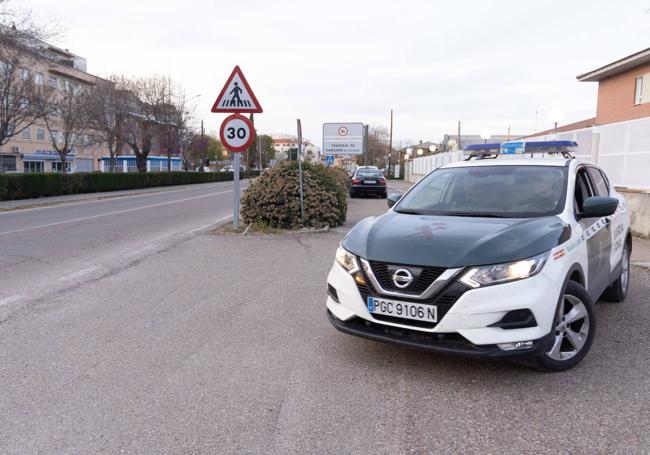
[641, 252]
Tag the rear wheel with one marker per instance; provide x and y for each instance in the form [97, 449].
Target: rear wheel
[618, 289]
[573, 332]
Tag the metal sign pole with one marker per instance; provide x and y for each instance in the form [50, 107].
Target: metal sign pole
[235, 198]
[302, 208]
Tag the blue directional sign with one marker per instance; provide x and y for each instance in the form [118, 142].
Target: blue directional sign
[329, 159]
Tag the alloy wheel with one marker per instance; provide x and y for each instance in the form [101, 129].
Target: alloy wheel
[572, 329]
[625, 274]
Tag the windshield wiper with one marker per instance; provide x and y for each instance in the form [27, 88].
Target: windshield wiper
[410, 211]
[478, 215]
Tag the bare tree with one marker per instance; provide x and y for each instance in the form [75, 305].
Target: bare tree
[23, 94]
[23, 98]
[106, 115]
[67, 122]
[146, 113]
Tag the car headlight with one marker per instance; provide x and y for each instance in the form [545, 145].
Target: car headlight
[503, 273]
[347, 260]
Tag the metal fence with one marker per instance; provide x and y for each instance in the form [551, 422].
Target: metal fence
[621, 149]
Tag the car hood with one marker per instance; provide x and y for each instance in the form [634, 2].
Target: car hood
[452, 241]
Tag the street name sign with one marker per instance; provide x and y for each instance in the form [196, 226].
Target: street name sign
[343, 138]
[236, 95]
[236, 133]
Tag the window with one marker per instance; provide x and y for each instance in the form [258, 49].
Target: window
[7, 163]
[53, 82]
[642, 89]
[15, 149]
[598, 182]
[24, 74]
[27, 133]
[39, 78]
[56, 166]
[33, 167]
[40, 134]
[583, 190]
[55, 135]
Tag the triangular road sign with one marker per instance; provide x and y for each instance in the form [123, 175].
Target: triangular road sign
[236, 95]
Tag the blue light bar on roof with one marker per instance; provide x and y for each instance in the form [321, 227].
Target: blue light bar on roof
[520, 147]
[482, 149]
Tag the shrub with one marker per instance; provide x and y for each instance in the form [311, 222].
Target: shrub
[23, 186]
[274, 199]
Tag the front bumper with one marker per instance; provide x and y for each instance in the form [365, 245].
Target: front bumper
[440, 343]
[467, 327]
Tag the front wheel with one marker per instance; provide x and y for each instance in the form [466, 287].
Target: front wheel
[573, 332]
[617, 291]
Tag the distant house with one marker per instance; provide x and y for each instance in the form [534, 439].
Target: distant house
[623, 88]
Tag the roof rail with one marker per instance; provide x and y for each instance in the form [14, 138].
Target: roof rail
[482, 151]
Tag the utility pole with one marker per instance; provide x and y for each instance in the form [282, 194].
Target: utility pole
[390, 146]
[460, 146]
[259, 148]
[202, 147]
[365, 145]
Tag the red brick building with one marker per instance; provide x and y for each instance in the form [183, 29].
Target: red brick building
[623, 88]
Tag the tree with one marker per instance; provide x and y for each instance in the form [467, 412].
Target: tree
[106, 111]
[23, 98]
[144, 116]
[377, 147]
[268, 151]
[67, 122]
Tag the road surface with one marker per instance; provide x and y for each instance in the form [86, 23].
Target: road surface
[52, 248]
[219, 344]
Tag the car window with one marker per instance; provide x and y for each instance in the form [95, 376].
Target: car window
[583, 190]
[369, 173]
[598, 180]
[502, 191]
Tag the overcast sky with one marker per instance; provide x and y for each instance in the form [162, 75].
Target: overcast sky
[487, 63]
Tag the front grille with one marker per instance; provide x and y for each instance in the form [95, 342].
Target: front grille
[424, 276]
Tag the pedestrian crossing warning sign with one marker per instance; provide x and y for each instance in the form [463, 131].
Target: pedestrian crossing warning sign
[236, 95]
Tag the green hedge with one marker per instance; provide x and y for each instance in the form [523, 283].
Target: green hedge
[24, 186]
[274, 199]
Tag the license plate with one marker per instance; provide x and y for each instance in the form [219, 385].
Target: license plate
[370, 182]
[406, 310]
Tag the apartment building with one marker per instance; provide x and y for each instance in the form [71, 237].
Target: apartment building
[31, 150]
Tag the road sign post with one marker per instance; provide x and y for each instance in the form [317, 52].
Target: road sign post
[237, 132]
[302, 208]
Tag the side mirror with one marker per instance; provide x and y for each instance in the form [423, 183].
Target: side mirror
[597, 206]
[392, 199]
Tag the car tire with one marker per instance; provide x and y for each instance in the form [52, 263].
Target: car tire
[384, 195]
[574, 327]
[352, 195]
[617, 291]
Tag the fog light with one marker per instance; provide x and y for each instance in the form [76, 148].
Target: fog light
[517, 345]
[359, 279]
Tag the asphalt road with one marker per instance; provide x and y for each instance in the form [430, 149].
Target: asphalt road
[53, 248]
[220, 344]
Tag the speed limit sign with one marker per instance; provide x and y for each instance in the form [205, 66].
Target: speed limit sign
[236, 133]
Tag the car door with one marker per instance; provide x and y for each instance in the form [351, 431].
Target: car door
[596, 234]
[614, 226]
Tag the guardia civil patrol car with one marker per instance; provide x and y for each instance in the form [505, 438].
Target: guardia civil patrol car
[500, 255]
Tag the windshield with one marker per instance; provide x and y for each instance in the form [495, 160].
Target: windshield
[493, 191]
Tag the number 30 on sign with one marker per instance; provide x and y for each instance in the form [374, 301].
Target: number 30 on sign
[236, 133]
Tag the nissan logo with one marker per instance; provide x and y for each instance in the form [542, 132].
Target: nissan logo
[402, 278]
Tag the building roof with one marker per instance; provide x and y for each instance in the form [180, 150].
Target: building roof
[619, 66]
[586, 123]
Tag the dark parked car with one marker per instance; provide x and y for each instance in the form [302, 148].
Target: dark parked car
[368, 181]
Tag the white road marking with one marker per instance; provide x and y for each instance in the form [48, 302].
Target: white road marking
[80, 273]
[10, 299]
[117, 212]
[209, 225]
[106, 198]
